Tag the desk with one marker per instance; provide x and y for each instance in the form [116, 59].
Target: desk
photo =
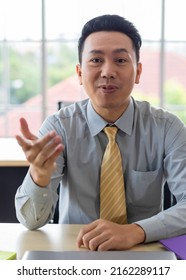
[11, 153]
[52, 237]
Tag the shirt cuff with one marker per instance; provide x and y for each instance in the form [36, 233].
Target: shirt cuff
[36, 193]
[154, 229]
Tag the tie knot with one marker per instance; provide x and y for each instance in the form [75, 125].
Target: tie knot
[111, 131]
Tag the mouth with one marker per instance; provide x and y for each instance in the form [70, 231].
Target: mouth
[108, 88]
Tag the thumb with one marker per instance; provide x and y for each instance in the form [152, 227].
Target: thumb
[25, 130]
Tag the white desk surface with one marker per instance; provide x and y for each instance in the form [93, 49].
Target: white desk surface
[11, 153]
[53, 237]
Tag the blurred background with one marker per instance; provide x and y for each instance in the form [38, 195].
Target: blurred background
[38, 54]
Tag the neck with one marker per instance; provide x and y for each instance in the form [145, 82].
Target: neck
[110, 114]
[111, 117]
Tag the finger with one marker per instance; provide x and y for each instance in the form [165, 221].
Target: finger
[52, 159]
[86, 229]
[25, 130]
[97, 242]
[48, 149]
[32, 149]
[21, 141]
[79, 240]
[105, 246]
[93, 239]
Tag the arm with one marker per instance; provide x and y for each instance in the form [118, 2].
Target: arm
[171, 222]
[35, 197]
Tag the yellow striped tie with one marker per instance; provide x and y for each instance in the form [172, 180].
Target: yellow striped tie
[112, 190]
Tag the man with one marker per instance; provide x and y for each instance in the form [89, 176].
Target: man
[72, 143]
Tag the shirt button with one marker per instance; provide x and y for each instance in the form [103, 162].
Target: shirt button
[45, 195]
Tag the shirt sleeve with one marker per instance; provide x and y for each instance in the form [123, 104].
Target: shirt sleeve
[35, 205]
[171, 222]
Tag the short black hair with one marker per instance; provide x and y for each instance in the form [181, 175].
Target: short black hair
[110, 23]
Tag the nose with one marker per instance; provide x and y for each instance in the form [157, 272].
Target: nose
[108, 70]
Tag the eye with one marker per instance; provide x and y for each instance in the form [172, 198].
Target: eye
[96, 60]
[120, 60]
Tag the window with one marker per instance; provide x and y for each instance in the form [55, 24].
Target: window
[38, 54]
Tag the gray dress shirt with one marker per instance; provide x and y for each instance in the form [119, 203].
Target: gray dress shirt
[153, 147]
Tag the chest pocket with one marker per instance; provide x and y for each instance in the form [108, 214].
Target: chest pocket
[144, 189]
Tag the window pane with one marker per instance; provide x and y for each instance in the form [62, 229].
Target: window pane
[20, 19]
[20, 60]
[175, 20]
[76, 13]
[175, 73]
[146, 16]
[148, 88]
[175, 82]
[9, 122]
[24, 71]
[20, 82]
[62, 80]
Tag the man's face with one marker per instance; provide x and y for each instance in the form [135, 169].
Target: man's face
[108, 71]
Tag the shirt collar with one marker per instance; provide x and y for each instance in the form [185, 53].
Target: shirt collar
[97, 123]
[125, 122]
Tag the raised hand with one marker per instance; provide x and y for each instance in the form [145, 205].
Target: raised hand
[40, 153]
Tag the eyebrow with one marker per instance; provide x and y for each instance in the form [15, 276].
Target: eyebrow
[119, 50]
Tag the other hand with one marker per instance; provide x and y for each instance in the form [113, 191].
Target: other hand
[104, 235]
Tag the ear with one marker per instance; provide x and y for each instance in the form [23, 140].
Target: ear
[138, 72]
[79, 73]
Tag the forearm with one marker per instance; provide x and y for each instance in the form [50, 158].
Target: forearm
[34, 205]
[168, 223]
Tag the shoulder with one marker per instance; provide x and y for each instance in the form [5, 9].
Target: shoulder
[74, 110]
[66, 118]
[159, 122]
[151, 113]
[69, 112]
